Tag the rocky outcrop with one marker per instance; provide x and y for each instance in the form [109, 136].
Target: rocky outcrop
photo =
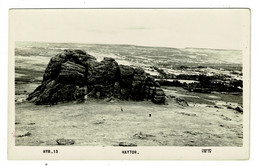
[76, 75]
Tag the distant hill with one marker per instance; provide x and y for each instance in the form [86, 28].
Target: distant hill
[164, 56]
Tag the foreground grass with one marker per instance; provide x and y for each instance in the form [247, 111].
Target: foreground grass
[100, 123]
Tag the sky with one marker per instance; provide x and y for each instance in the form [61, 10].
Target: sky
[179, 28]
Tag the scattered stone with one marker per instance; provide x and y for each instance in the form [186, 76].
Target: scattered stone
[25, 135]
[216, 106]
[181, 102]
[235, 106]
[240, 135]
[63, 141]
[227, 119]
[20, 98]
[126, 144]
[140, 135]
[239, 109]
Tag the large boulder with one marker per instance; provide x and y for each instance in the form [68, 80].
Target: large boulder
[74, 74]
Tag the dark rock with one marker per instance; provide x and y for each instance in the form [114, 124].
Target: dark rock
[192, 132]
[117, 90]
[78, 56]
[60, 93]
[25, 135]
[227, 119]
[101, 76]
[150, 87]
[126, 75]
[71, 73]
[159, 96]
[138, 84]
[33, 96]
[80, 52]
[239, 109]
[109, 59]
[74, 75]
[126, 144]
[235, 107]
[53, 68]
[63, 141]
[139, 71]
[157, 84]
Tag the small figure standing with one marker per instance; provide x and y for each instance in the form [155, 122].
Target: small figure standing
[150, 115]
[121, 109]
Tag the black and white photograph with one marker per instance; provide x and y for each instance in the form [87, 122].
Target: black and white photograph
[128, 79]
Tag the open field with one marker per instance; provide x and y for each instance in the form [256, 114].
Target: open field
[102, 123]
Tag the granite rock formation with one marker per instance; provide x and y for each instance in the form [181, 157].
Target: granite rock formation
[74, 74]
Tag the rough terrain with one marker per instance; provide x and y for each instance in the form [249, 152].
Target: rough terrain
[188, 117]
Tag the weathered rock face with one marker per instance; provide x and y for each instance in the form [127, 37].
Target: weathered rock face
[71, 73]
[159, 96]
[101, 77]
[74, 74]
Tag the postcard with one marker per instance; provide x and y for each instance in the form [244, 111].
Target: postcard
[129, 84]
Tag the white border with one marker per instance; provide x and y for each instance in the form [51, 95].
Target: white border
[149, 152]
[255, 151]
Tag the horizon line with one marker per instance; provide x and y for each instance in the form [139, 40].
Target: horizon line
[187, 47]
